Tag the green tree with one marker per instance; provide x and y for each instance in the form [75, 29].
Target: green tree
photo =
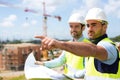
[116, 39]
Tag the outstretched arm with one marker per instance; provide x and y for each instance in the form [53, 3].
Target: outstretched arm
[77, 48]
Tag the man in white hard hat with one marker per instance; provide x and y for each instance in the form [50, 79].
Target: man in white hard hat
[105, 61]
[104, 57]
[71, 62]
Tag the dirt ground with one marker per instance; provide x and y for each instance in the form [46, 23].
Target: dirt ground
[10, 74]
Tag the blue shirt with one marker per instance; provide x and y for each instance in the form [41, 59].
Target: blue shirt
[111, 50]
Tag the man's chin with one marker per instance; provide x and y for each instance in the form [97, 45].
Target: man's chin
[73, 35]
[91, 37]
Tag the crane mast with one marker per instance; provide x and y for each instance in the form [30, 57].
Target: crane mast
[44, 20]
[45, 15]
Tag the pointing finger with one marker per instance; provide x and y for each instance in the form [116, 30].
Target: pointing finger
[40, 37]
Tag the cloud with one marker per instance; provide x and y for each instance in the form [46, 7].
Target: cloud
[1, 5]
[8, 21]
[11, 18]
[113, 8]
[93, 3]
[34, 4]
[51, 5]
[33, 22]
[6, 24]
[85, 5]
[81, 11]
[28, 24]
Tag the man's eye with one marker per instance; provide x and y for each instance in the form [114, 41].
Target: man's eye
[71, 26]
[88, 25]
[94, 25]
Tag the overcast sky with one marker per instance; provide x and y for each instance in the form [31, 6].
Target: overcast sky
[15, 23]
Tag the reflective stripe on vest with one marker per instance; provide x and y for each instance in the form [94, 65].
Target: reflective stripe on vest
[93, 74]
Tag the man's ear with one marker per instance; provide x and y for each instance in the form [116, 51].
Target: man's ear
[105, 27]
[83, 28]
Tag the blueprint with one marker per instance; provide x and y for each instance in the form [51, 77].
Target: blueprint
[39, 72]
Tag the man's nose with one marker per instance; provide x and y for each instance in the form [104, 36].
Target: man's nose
[90, 28]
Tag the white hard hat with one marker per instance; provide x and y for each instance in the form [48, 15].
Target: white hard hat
[96, 14]
[76, 18]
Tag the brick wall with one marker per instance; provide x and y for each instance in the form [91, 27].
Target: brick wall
[13, 56]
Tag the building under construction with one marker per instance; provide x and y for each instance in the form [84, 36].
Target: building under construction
[13, 56]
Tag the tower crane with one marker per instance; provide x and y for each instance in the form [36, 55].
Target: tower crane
[45, 15]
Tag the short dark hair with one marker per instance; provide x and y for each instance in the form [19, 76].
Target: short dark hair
[104, 22]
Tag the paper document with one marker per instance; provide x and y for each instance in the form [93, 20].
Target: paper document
[39, 72]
